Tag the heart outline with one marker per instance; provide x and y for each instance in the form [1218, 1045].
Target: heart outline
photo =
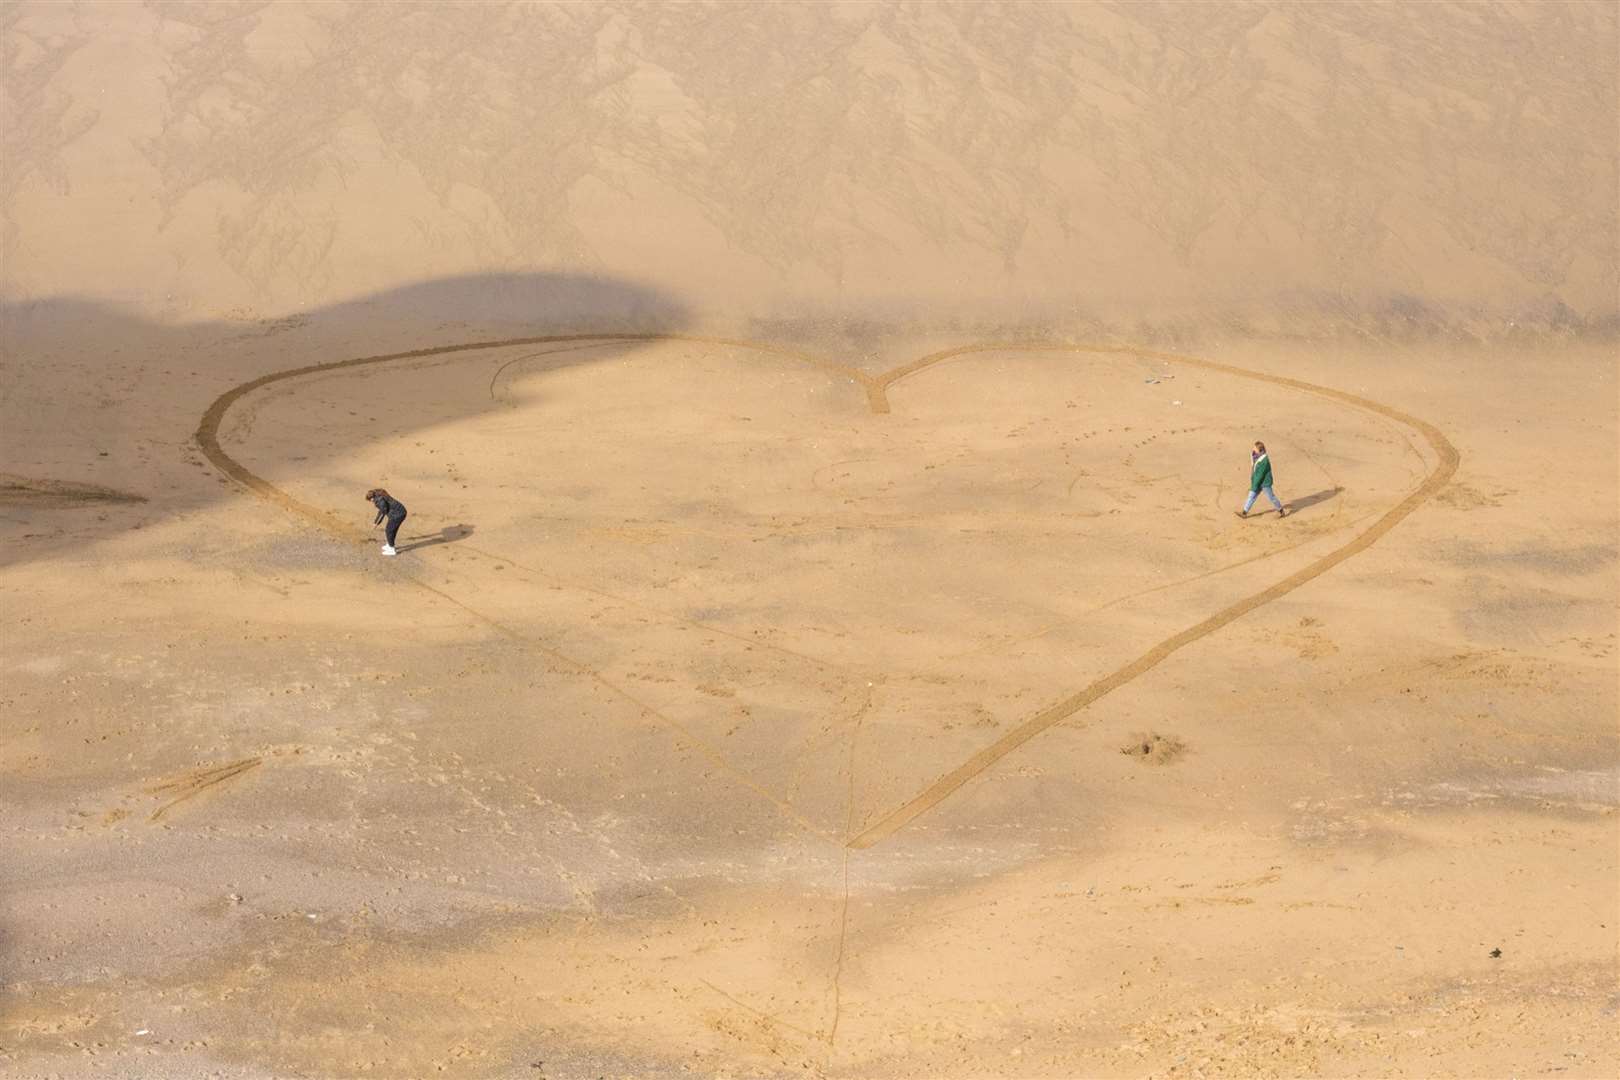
[877, 390]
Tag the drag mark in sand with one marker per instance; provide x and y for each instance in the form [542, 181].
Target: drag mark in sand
[770, 1020]
[194, 783]
[579, 667]
[849, 828]
[877, 389]
[1438, 477]
[502, 370]
[208, 441]
[1004, 642]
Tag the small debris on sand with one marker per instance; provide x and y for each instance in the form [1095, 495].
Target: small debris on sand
[1154, 749]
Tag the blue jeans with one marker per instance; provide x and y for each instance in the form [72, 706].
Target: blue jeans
[1248, 503]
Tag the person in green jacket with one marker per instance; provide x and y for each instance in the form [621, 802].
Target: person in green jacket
[1260, 480]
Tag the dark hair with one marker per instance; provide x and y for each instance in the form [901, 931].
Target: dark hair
[374, 492]
[1261, 445]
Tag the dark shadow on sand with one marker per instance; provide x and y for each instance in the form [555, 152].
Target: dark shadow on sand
[1296, 505]
[447, 535]
[90, 388]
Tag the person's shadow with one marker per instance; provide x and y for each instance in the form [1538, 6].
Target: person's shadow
[1296, 505]
[447, 535]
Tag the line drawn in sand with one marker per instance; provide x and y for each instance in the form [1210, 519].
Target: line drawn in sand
[877, 389]
[189, 785]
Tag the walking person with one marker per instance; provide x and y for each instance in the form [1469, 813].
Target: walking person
[1260, 480]
[390, 509]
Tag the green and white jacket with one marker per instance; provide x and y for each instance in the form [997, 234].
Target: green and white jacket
[1261, 476]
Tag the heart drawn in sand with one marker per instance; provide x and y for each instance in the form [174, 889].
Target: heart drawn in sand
[896, 510]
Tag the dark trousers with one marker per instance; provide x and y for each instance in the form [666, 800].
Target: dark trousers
[393, 528]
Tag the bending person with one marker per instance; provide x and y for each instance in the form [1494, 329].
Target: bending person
[389, 509]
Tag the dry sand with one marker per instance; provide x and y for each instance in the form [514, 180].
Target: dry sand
[822, 643]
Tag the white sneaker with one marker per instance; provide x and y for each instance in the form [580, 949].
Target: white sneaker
[389, 550]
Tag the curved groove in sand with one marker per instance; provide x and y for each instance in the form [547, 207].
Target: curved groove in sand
[946, 785]
[208, 440]
[877, 391]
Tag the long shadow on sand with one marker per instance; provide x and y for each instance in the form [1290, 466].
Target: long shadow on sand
[447, 535]
[1296, 505]
[98, 399]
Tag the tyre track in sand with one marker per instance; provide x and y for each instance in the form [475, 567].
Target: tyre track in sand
[877, 388]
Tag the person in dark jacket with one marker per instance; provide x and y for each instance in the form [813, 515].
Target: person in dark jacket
[389, 509]
[1260, 480]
